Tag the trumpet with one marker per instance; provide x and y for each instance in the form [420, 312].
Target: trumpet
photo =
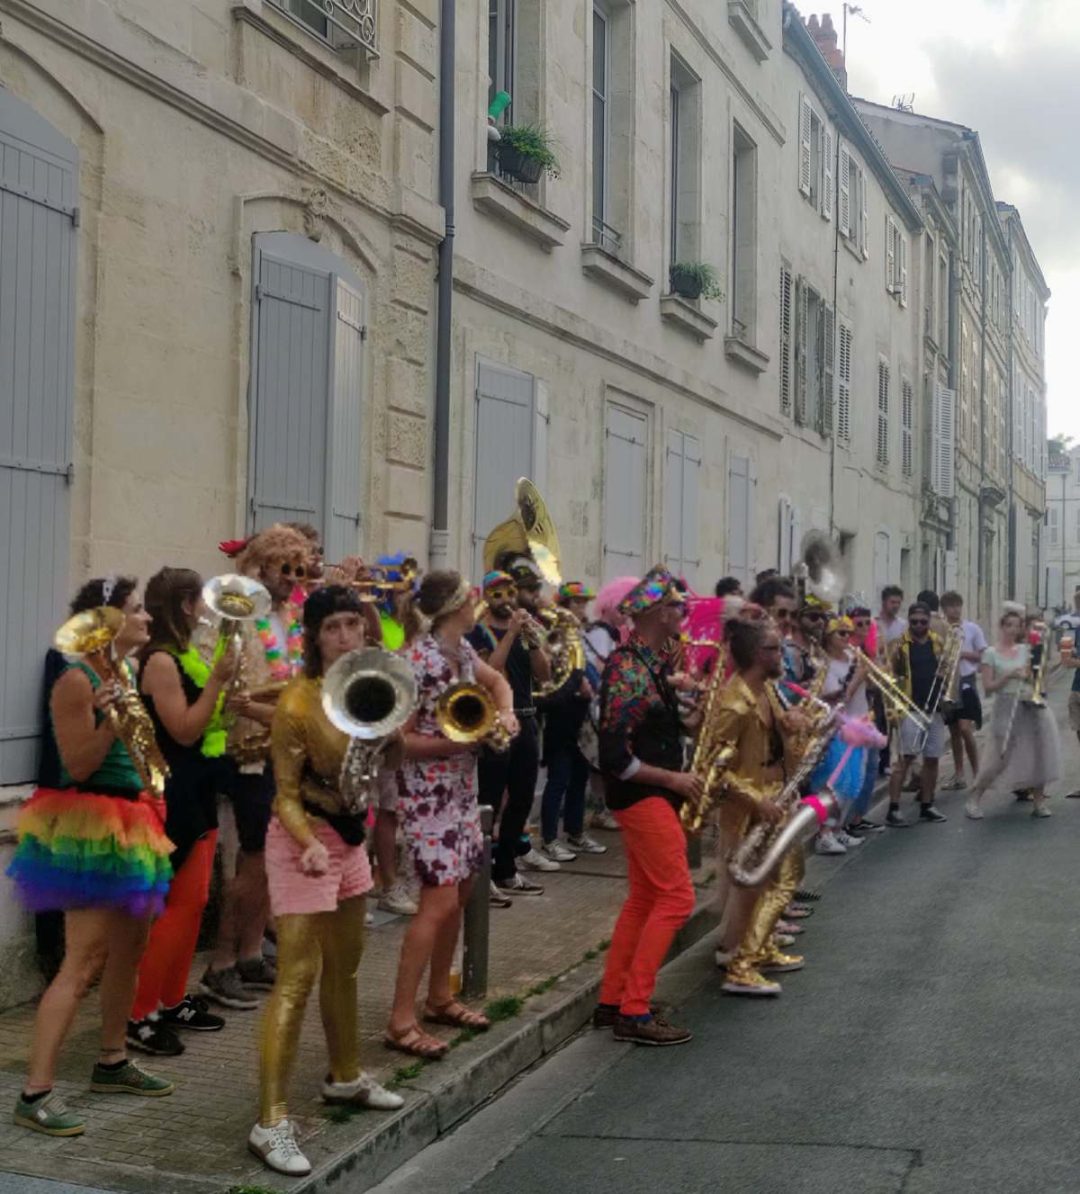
[369, 694]
[90, 635]
[466, 713]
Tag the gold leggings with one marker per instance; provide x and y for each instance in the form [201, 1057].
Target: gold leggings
[771, 903]
[303, 940]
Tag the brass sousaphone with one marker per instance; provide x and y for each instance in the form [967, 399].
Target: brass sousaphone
[529, 531]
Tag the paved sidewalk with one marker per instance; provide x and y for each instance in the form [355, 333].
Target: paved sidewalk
[195, 1141]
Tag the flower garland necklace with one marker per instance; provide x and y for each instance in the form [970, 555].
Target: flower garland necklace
[283, 666]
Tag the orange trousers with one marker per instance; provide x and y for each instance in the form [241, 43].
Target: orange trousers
[660, 902]
[163, 971]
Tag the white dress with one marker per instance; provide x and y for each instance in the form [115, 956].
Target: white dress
[1027, 755]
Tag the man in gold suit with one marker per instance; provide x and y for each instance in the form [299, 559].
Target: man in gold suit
[752, 730]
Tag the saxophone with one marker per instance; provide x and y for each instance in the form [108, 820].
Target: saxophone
[711, 756]
[760, 851]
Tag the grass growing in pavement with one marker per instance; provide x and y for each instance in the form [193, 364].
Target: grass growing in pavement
[505, 1008]
[250, 1190]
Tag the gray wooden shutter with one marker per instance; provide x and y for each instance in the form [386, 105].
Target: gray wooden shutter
[38, 242]
[626, 439]
[681, 495]
[740, 519]
[504, 447]
[343, 449]
[289, 393]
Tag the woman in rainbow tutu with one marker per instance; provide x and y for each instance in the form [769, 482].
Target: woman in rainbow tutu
[94, 848]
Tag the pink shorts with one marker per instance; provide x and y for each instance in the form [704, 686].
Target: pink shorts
[291, 891]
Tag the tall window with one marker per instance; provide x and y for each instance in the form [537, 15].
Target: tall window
[601, 108]
[907, 427]
[843, 399]
[787, 300]
[943, 302]
[501, 46]
[684, 200]
[881, 447]
[853, 203]
[743, 283]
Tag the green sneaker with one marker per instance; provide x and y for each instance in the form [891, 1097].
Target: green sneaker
[49, 1115]
[129, 1080]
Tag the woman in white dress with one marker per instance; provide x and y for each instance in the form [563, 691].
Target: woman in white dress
[1024, 750]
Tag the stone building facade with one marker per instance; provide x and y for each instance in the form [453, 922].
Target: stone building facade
[1060, 560]
[220, 309]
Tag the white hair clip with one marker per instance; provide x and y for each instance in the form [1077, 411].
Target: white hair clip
[108, 585]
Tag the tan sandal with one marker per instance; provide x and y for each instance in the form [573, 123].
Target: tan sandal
[456, 1015]
[414, 1042]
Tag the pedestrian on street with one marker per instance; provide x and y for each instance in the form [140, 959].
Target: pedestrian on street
[890, 626]
[967, 716]
[1024, 751]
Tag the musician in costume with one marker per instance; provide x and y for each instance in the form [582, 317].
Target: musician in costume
[803, 654]
[753, 732]
[1024, 751]
[439, 813]
[917, 660]
[280, 558]
[506, 639]
[317, 870]
[93, 847]
[641, 757]
[565, 712]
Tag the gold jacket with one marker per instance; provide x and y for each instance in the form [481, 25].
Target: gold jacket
[751, 775]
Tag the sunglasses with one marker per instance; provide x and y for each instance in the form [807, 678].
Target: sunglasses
[862, 624]
[782, 615]
[842, 633]
[813, 615]
[297, 570]
[918, 621]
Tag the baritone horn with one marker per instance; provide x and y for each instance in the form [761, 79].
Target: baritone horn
[466, 713]
[235, 600]
[529, 531]
[368, 694]
[818, 570]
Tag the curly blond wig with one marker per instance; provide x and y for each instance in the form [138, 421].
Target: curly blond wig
[278, 544]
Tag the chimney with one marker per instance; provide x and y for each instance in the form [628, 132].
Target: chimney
[824, 35]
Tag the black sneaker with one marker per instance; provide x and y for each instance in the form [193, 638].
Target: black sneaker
[225, 987]
[258, 973]
[152, 1035]
[193, 1014]
[895, 819]
[806, 895]
[928, 813]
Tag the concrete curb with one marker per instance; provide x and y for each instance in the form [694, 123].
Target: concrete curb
[448, 1092]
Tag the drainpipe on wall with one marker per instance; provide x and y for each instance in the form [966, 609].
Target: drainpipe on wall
[1010, 406]
[954, 385]
[984, 579]
[439, 546]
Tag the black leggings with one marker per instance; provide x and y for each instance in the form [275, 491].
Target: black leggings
[514, 772]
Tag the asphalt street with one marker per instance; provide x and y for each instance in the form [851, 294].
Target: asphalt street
[930, 1045]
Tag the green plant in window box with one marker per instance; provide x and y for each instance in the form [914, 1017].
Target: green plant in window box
[693, 280]
[525, 152]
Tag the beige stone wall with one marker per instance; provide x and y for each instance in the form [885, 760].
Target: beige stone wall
[201, 123]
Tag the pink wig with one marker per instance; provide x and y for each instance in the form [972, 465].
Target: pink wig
[606, 606]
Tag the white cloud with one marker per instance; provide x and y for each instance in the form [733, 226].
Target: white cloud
[1006, 68]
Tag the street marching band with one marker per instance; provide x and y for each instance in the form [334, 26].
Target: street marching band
[341, 705]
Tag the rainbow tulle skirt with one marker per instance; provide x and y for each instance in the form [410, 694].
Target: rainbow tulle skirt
[84, 850]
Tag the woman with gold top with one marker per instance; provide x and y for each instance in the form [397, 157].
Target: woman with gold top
[438, 810]
[318, 873]
[91, 844]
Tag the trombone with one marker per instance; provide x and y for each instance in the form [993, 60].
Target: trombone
[898, 705]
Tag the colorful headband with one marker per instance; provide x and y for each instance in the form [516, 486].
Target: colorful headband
[498, 580]
[575, 590]
[654, 588]
[454, 602]
[841, 623]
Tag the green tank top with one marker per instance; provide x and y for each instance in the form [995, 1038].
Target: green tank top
[393, 633]
[116, 770]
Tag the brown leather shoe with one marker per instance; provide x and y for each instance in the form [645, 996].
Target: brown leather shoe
[605, 1014]
[656, 1031]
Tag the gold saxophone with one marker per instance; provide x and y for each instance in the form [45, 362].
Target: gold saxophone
[711, 756]
[759, 853]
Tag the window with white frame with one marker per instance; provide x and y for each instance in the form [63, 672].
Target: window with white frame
[1053, 524]
[815, 355]
[853, 205]
[684, 181]
[612, 123]
[896, 265]
[787, 302]
[502, 38]
[816, 158]
[929, 288]
[843, 377]
[943, 301]
[907, 427]
[742, 287]
[682, 472]
[881, 439]
[626, 490]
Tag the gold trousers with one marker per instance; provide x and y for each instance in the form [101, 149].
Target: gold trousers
[304, 940]
[774, 898]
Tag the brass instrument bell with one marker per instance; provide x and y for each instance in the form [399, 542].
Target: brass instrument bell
[528, 531]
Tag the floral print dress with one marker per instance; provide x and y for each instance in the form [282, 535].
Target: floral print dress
[437, 807]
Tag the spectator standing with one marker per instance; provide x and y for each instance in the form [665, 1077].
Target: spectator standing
[967, 716]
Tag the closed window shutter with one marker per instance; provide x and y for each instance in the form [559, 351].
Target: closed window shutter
[786, 300]
[504, 447]
[943, 450]
[843, 402]
[343, 477]
[804, 145]
[901, 256]
[673, 487]
[740, 518]
[864, 225]
[625, 492]
[828, 370]
[689, 500]
[890, 255]
[907, 427]
[828, 165]
[882, 447]
[845, 192]
[801, 353]
[38, 247]
[289, 392]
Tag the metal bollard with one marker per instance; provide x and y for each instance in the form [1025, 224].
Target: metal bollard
[693, 851]
[474, 967]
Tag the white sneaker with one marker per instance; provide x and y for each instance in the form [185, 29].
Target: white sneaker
[847, 840]
[827, 844]
[277, 1148]
[722, 957]
[398, 901]
[364, 1092]
[585, 845]
[1040, 810]
[604, 820]
[557, 852]
[972, 810]
[535, 861]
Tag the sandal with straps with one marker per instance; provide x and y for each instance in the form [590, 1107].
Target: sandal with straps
[456, 1015]
[415, 1042]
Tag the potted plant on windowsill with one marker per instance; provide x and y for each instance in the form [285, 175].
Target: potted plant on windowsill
[693, 280]
[525, 153]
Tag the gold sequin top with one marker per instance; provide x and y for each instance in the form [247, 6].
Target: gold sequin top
[756, 769]
[307, 753]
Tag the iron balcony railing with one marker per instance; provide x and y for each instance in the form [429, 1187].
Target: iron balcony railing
[345, 24]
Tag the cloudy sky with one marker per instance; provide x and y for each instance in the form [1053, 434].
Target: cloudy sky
[1010, 69]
